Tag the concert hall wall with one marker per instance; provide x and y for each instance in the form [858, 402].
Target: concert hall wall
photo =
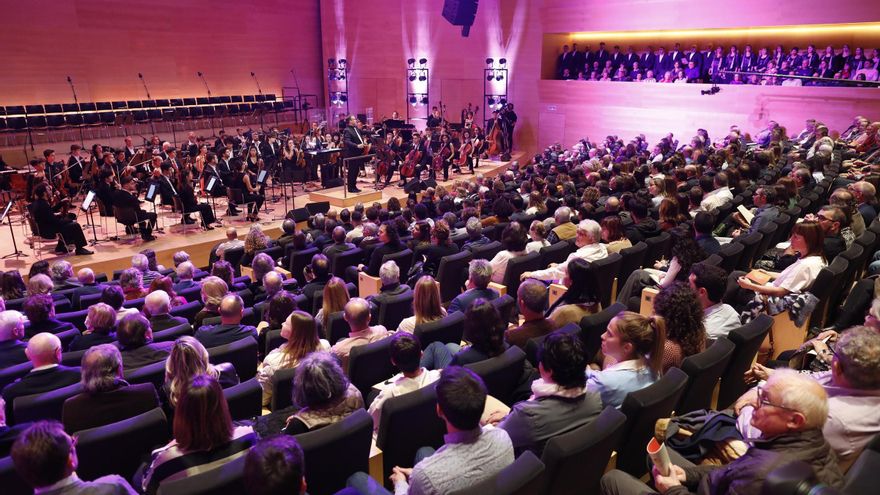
[103, 44]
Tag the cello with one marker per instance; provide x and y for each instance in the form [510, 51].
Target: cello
[441, 156]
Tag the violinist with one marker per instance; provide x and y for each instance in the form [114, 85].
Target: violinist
[128, 149]
[126, 197]
[172, 161]
[75, 166]
[105, 189]
[36, 178]
[49, 224]
[191, 205]
[444, 155]
[243, 180]
[55, 172]
[167, 185]
[226, 165]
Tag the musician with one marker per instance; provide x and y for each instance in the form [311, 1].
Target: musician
[166, 148]
[220, 142]
[172, 162]
[444, 156]
[55, 171]
[211, 171]
[75, 165]
[435, 120]
[227, 165]
[36, 178]
[104, 191]
[145, 170]
[253, 161]
[271, 153]
[465, 112]
[353, 146]
[126, 197]
[49, 224]
[499, 136]
[191, 145]
[190, 204]
[243, 180]
[167, 185]
[200, 158]
[509, 120]
[465, 152]
[417, 146]
[128, 149]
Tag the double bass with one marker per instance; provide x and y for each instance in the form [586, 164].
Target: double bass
[495, 138]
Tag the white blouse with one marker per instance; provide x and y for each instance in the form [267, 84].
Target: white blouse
[801, 274]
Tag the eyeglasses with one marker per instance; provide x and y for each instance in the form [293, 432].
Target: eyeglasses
[764, 401]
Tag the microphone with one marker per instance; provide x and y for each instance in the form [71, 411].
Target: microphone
[199, 73]
[140, 75]
[252, 74]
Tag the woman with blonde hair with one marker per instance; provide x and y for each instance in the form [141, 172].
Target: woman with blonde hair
[189, 358]
[426, 305]
[538, 236]
[213, 290]
[301, 335]
[335, 297]
[633, 348]
[254, 241]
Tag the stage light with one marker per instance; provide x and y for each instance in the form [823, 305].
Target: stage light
[499, 77]
[503, 101]
[411, 61]
[341, 76]
[423, 61]
[342, 62]
[424, 100]
[331, 62]
[343, 98]
[489, 61]
[331, 76]
[502, 61]
[491, 100]
[413, 99]
[412, 76]
[423, 77]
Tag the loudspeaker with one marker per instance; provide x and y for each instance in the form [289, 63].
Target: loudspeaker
[333, 182]
[429, 183]
[413, 187]
[319, 207]
[298, 214]
[460, 12]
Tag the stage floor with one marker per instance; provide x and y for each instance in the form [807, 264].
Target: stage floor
[113, 255]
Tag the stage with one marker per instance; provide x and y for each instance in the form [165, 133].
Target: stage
[113, 255]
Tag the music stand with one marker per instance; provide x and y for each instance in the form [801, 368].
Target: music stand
[150, 197]
[209, 188]
[262, 177]
[16, 253]
[87, 208]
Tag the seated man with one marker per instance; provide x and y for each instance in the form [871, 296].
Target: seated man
[389, 275]
[62, 275]
[232, 242]
[44, 352]
[531, 298]
[45, 457]
[790, 411]
[405, 355]
[273, 283]
[476, 238]
[40, 312]
[709, 283]
[135, 341]
[12, 348]
[127, 198]
[185, 273]
[142, 264]
[471, 454]
[88, 285]
[288, 229]
[230, 328]
[317, 274]
[560, 400]
[479, 276]
[357, 314]
[339, 244]
[49, 225]
[157, 304]
[703, 223]
[590, 248]
[275, 465]
[564, 229]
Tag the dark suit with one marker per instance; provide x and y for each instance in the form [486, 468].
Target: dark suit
[12, 353]
[146, 220]
[138, 357]
[662, 63]
[49, 225]
[387, 292]
[184, 284]
[50, 325]
[39, 381]
[351, 139]
[166, 321]
[217, 335]
[629, 60]
[463, 301]
[191, 205]
[432, 254]
[85, 411]
[82, 291]
[83, 342]
[697, 59]
[335, 249]
[646, 62]
[617, 60]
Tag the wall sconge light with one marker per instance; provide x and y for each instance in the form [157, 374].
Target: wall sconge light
[499, 76]
[502, 61]
[489, 77]
[423, 77]
[423, 61]
[491, 100]
[413, 100]
[343, 62]
[411, 62]
[489, 61]
[424, 100]
[412, 76]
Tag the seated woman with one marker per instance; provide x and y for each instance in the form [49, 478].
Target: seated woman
[483, 329]
[680, 308]
[224, 270]
[213, 290]
[432, 253]
[106, 397]
[670, 217]
[131, 281]
[772, 298]
[426, 305]
[335, 297]
[323, 393]
[275, 311]
[538, 236]
[581, 298]
[635, 343]
[204, 436]
[301, 334]
[612, 234]
[12, 285]
[513, 240]
[166, 284]
[254, 241]
[189, 358]
[100, 328]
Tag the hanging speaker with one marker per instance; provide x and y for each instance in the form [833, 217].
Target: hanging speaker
[460, 13]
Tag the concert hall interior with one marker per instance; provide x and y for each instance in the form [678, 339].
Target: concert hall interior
[439, 247]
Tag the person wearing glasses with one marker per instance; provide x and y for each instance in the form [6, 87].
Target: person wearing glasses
[790, 411]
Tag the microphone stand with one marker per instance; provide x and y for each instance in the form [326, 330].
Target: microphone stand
[15, 253]
[144, 82]
[79, 110]
[260, 91]
[210, 118]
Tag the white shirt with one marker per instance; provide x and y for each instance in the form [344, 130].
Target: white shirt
[354, 233]
[499, 264]
[408, 324]
[273, 362]
[399, 385]
[590, 252]
[535, 246]
[721, 319]
[716, 198]
[801, 274]
[233, 244]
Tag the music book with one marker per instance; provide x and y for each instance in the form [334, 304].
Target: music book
[759, 277]
[746, 213]
[87, 201]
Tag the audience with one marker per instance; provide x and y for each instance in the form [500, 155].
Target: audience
[426, 304]
[188, 359]
[12, 345]
[357, 315]
[334, 299]
[274, 466]
[300, 334]
[513, 242]
[100, 328]
[135, 338]
[680, 309]
[323, 394]
[214, 289]
[531, 299]
[588, 240]
[483, 329]
[157, 306]
[709, 283]
[477, 286]
[230, 328]
[580, 299]
[40, 312]
[44, 352]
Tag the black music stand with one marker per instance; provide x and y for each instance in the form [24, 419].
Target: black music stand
[15, 253]
[150, 197]
[87, 207]
[209, 188]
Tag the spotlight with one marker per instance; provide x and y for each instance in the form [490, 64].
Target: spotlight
[424, 100]
[342, 62]
[502, 61]
[413, 99]
[503, 101]
[423, 61]
[343, 98]
[423, 77]
[412, 76]
[331, 76]
[489, 61]
[499, 77]
[341, 76]
[331, 62]
[411, 62]
[491, 100]
[489, 76]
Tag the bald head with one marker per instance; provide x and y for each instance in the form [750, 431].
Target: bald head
[231, 233]
[44, 348]
[231, 308]
[339, 235]
[272, 282]
[85, 276]
[357, 314]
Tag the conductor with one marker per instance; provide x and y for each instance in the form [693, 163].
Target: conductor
[353, 146]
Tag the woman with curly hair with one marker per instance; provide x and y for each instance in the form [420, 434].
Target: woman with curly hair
[188, 359]
[686, 332]
[255, 240]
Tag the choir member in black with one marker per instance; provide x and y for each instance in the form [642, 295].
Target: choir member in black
[190, 204]
[289, 158]
[167, 185]
[353, 146]
[75, 165]
[246, 182]
[126, 198]
[49, 224]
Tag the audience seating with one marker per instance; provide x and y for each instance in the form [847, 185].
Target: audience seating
[298, 260]
[658, 247]
[282, 386]
[403, 259]
[72, 358]
[244, 400]
[370, 364]
[594, 325]
[506, 306]
[12, 373]
[172, 334]
[576, 460]
[341, 261]
[242, 354]
[603, 272]
[452, 273]
[188, 310]
[335, 452]
[704, 371]
[46, 405]
[501, 373]
[730, 254]
[248, 317]
[152, 373]
[486, 251]
[642, 409]
[516, 267]
[273, 340]
[78, 318]
[221, 480]
[394, 309]
[746, 339]
[409, 422]
[524, 477]
[11, 482]
[632, 258]
[750, 243]
[862, 475]
[555, 253]
[448, 330]
[533, 344]
[338, 327]
[139, 435]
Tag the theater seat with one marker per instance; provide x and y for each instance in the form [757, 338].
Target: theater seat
[221, 480]
[12, 373]
[501, 374]
[335, 452]
[448, 330]
[43, 406]
[394, 309]
[11, 482]
[533, 344]
[370, 364]
[704, 370]
[408, 423]
[282, 384]
[242, 354]
[747, 340]
[244, 400]
[119, 448]
[524, 477]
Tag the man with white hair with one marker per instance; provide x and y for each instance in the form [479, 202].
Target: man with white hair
[185, 273]
[11, 332]
[44, 352]
[389, 275]
[865, 195]
[790, 411]
[232, 242]
[357, 315]
[142, 264]
[157, 305]
[589, 249]
[564, 229]
[479, 276]
[62, 275]
[273, 283]
[474, 229]
[87, 285]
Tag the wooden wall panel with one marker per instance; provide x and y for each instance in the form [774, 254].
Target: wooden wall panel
[103, 44]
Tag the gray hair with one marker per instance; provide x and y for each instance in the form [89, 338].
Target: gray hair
[480, 273]
[272, 282]
[180, 257]
[261, 265]
[61, 270]
[157, 303]
[131, 277]
[533, 295]
[101, 317]
[140, 262]
[389, 273]
[858, 355]
[591, 229]
[213, 290]
[562, 215]
[370, 229]
[318, 381]
[185, 271]
[10, 321]
[101, 368]
[800, 393]
[40, 284]
[473, 226]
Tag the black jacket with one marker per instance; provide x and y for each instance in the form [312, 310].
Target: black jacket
[85, 411]
[38, 381]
